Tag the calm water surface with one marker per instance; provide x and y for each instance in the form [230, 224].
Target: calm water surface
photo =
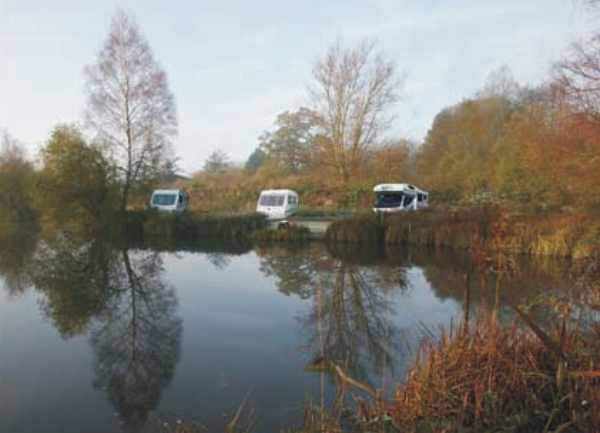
[99, 338]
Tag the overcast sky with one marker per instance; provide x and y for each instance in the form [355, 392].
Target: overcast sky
[234, 65]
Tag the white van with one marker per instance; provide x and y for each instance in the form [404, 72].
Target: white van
[394, 197]
[169, 200]
[277, 203]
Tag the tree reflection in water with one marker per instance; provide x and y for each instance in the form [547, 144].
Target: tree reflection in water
[76, 276]
[350, 321]
[17, 248]
[137, 339]
[129, 311]
[119, 297]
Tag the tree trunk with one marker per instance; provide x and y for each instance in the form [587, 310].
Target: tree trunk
[125, 196]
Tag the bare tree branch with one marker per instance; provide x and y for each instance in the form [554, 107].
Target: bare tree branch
[352, 92]
[129, 105]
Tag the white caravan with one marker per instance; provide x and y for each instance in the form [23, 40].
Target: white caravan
[394, 197]
[277, 203]
[169, 200]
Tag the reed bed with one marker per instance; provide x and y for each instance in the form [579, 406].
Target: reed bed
[567, 234]
[478, 378]
[191, 226]
[513, 379]
[361, 229]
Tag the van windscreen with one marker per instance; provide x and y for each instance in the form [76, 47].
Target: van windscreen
[389, 199]
[164, 199]
[271, 200]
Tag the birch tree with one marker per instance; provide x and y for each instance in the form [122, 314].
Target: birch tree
[352, 92]
[129, 105]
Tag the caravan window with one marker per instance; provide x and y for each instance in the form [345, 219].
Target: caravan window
[272, 200]
[164, 199]
[292, 199]
[389, 199]
[408, 199]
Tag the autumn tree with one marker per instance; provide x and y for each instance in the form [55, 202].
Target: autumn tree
[76, 181]
[292, 141]
[577, 92]
[392, 161]
[129, 105]
[353, 90]
[457, 158]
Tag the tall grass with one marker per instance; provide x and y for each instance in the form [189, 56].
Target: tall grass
[490, 378]
[192, 226]
[362, 229]
[574, 235]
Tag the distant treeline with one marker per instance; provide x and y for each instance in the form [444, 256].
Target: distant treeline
[528, 147]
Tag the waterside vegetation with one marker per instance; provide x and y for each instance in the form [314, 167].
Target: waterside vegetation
[488, 228]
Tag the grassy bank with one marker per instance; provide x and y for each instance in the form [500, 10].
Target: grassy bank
[192, 226]
[574, 235]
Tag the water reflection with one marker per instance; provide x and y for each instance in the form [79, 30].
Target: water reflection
[350, 319]
[137, 338]
[17, 247]
[353, 293]
[77, 278]
[120, 299]
[360, 309]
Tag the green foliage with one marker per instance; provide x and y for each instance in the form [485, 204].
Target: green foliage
[195, 225]
[76, 184]
[76, 278]
[16, 183]
[458, 154]
[18, 244]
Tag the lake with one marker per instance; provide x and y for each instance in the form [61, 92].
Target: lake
[104, 337]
